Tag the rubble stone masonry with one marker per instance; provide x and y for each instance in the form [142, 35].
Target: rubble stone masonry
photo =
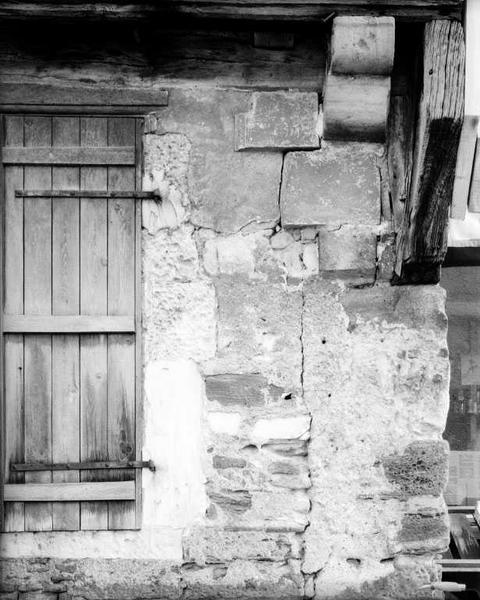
[294, 402]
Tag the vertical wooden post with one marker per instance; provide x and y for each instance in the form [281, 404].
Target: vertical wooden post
[422, 240]
[472, 102]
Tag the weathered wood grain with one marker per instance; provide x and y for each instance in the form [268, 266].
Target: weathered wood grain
[93, 301]
[13, 344]
[68, 324]
[158, 58]
[474, 196]
[422, 241]
[69, 156]
[65, 301]
[38, 348]
[404, 100]
[121, 300]
[95, 97]
[464, 167]
[70, 492]
[292, 10]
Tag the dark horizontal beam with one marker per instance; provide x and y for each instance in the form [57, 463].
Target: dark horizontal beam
[258, 10]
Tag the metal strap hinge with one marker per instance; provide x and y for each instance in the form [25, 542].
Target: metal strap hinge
[81, 466]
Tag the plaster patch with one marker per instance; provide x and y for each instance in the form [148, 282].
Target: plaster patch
[175, 493]
[225, 423]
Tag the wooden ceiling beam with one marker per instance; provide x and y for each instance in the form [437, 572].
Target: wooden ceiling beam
[256, 10]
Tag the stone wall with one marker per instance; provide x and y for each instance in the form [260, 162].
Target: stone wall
[294, 400]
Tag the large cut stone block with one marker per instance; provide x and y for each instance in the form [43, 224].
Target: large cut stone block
[362, 45]
[278, 120]
[336, 185]
[356, 108]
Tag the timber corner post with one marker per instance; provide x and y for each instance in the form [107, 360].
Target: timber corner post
[422, 172]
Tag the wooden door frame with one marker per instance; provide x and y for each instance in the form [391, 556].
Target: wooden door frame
[131, 111]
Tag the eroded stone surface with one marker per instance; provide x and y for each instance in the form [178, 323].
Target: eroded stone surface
[228, 190]
[336, 185]
[278, 120]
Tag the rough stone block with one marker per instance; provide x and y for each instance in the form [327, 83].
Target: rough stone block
[231, 501]
[212, 545]
[278, 120]
[247, 390]
[362, 45]
[258, 331]
[348, 252]
[336, 185]
[261, 580]
[416, 307]
[356, 108]
[422, 469]
[9, 596]
[424, 533]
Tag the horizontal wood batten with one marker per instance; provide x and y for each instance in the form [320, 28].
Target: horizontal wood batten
[267, 10]
[78, 155]
[84, 194]
[83, 466]
[92, 110]
[79, 98]
[67, 324]
[69, 492]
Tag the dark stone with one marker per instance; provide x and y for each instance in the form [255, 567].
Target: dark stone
[236, 501]
[418, 528]
[228, 462]
[233, 390]
[421, 470]
[283, 468]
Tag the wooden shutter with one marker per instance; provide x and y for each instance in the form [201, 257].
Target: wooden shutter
[71, 322]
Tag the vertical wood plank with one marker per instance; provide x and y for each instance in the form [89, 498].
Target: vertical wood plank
[38, 348]
[65, 301]
[93, 300]
[13, 344]
[121, 301]
[139, 128]
[464, 167]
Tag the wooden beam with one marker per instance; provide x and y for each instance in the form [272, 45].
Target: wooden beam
[86, 194]
[67, 324]
[422, 240]
[69, 492]
[83, 466]
[464, 167]
[92, 99]
[77, 155]
[258, 10]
